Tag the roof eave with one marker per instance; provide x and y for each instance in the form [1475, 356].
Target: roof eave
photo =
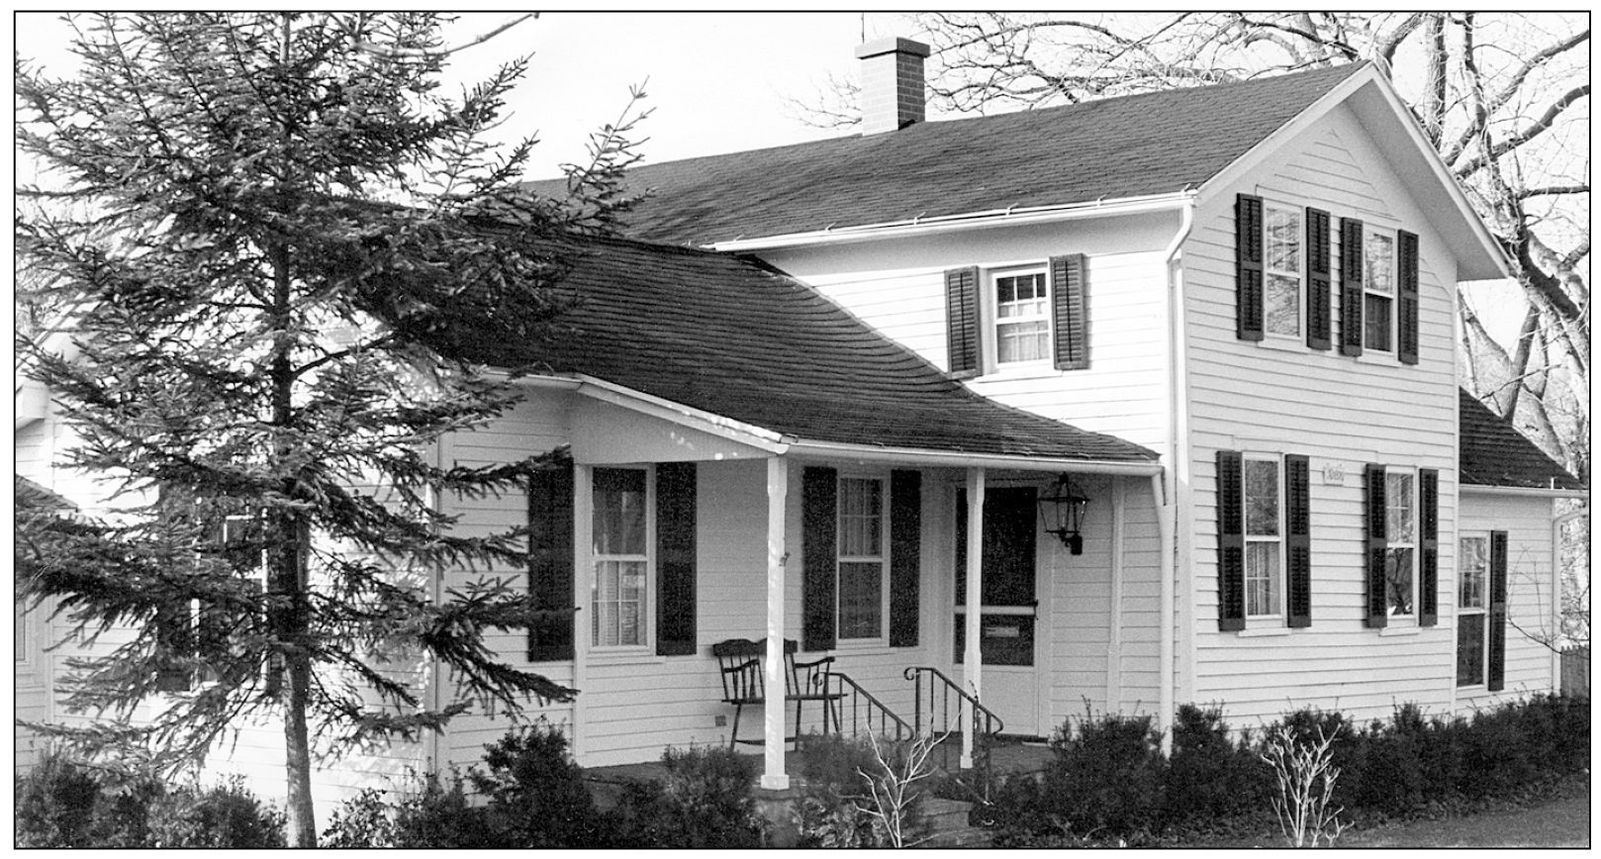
[1524, 491]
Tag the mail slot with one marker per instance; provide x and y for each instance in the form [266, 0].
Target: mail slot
[1003, 639]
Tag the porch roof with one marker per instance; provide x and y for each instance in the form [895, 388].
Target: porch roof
[736, 338]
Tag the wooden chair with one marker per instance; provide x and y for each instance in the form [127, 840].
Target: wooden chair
[739, 660]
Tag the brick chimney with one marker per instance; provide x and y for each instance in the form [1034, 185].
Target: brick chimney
[892, 84]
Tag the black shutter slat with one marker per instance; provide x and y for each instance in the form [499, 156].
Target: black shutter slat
[1496, 680]
[1070, 306]
[1376, 544]
[1230, 541]
[675, 558]
[905, 555]
[1298, 538]
[961, 320]
[1350, 286]
[550, 560]
[1319, 314]
[1407, 300]
[1248, 267]
[1428, 547]
[820, 558]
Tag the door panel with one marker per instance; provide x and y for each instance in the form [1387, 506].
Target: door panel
[1008, 604]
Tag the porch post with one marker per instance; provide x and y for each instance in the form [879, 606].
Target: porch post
[972, 671]
[773, 710]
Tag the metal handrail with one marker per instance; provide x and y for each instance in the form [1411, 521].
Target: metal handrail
[991, 724]
[864, 708]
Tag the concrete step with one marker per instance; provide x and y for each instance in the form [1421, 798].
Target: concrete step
[943, 815]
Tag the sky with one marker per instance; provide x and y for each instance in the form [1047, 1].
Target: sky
[715, 81]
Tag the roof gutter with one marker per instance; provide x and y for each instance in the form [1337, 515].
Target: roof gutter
[956, 459]
[1524, 491]
[1008, 217]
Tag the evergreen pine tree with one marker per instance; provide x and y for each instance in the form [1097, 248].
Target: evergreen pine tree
[263, 224]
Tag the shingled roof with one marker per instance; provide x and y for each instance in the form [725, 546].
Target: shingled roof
[738, 339]
[1133, 146]
[1494, 454]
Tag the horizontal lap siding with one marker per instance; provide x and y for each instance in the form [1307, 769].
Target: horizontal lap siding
[1530, 666]
[898, 287]
[1339, 411]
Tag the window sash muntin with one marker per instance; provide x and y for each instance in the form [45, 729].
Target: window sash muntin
[621, 558]
[861, 598]
[1379, 289]
[1401, 555]
[1022, 321]
[1264, 541]
[1283, 270]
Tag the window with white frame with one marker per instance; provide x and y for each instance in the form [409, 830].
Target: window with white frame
[1400, 556]
[1378, 285]
[1473, 603]
[621, 541]
[862, 596]
[1022, 316]
[1282, 267]
[1264, 536]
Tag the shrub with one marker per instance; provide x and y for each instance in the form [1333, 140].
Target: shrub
[1306, 780]
[222, 816]
[704, 802]
[1107, 776]
[836, 807]
[536, 794]
[440, 815]
[363, 820]
[1210, 776]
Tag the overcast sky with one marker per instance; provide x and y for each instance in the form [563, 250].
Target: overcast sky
[717, 81]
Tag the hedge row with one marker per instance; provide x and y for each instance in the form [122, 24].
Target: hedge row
[1107, 777]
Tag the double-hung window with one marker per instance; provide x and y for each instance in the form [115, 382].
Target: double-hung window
[1378, 290]
[1264, 538]
[1401, 532]
[621, 557]
[862, 556]
[1022, 316]
[1282, 271]
[1473, 603]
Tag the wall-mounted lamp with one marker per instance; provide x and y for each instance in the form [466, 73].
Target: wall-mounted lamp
[1062, 511]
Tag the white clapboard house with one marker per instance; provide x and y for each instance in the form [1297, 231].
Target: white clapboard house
[1113, 406]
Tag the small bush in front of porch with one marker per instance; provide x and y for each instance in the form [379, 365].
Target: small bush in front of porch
[704, 802]
[861, 793]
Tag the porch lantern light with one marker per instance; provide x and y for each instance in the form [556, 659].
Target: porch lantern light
[1062, 511]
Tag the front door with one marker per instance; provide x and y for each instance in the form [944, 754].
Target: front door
[1008, 604]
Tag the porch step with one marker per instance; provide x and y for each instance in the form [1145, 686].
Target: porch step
[947, 824]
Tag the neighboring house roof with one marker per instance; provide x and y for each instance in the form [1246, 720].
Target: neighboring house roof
[1155, 143]
[735, 338]
[1493, 453]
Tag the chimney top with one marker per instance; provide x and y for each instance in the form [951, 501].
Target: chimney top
[892, 84]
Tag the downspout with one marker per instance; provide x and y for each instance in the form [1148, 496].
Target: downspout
[1168, 496]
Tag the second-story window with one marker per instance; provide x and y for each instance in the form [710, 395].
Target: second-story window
[1022, 317]
[1378, 285]
[1282, 271]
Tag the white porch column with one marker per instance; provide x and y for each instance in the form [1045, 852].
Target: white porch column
[972, 671]
[773, 710]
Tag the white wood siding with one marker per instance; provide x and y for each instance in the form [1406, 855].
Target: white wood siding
[898, 287]
[1342, 412]
[1530, 664]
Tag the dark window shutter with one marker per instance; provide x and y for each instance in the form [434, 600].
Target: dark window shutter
[675, 558]
[1248, 267]
[820, 557]
[175, 633]
[1376, 544]
[1406, 277]
[550, 560]
[1496, 680]
[1230, 541]
[961, 320]
[1350, 286]
[1298, 538]
[905, 555]
[1070, 308]
[1319, 314]
[1428, 547]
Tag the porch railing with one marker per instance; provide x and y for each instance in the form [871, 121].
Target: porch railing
[857, 711]
[937, 712]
